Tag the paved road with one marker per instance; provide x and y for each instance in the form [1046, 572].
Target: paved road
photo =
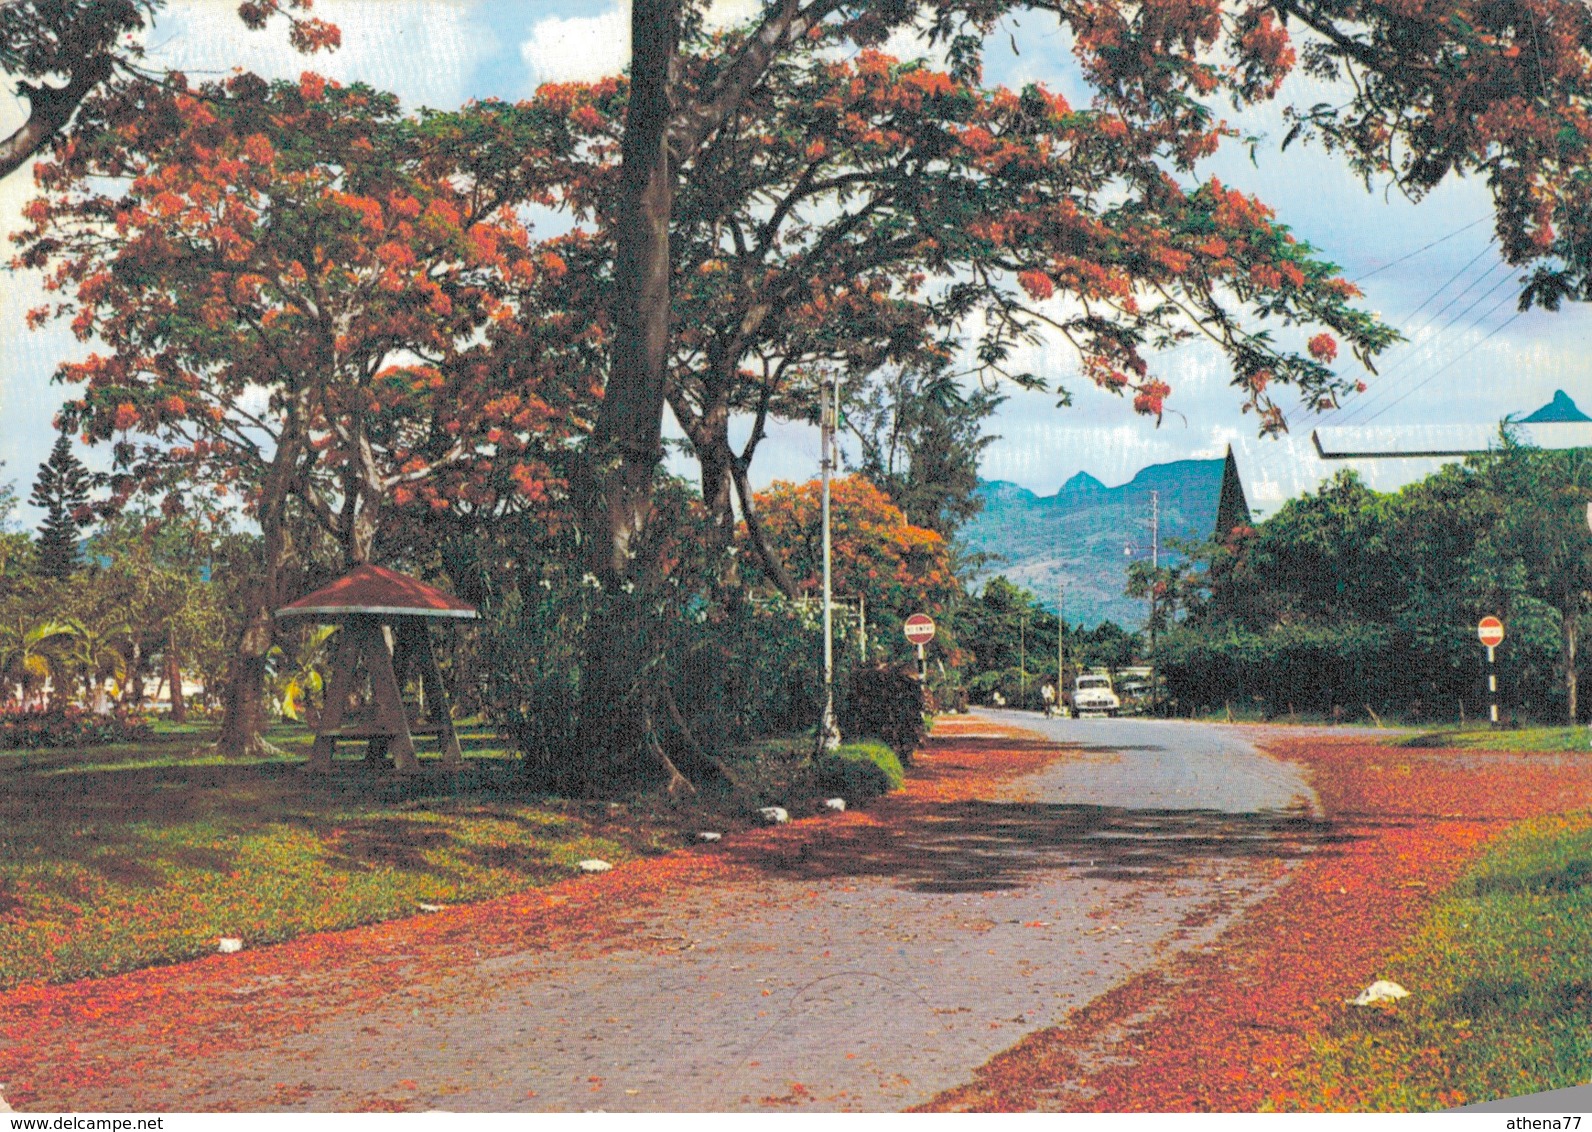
[870, 975]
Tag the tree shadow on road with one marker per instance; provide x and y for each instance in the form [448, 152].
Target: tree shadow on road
[980, 846]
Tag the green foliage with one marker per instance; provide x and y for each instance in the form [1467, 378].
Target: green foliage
[1012, 638]
[885, 702]
[70, 727]
[1347, 597]
[922, 437]
[859, 771]
[1499, 978]
[1488, 738]
[1308, 667]
[531, 653]
[8, 502]
[733, 668]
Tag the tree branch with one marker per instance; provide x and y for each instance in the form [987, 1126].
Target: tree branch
[50, 109]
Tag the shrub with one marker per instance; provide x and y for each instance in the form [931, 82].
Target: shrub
[858, 771]
[70, 727]
[885, 703]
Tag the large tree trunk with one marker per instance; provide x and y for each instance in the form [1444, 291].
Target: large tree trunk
[615, 485]
[717, 459]
[243, 718]
[626, 445]
[179, 705]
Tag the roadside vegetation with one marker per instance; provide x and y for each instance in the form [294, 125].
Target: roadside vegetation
[1500, 977]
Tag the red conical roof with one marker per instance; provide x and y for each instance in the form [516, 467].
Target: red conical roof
[377, 590]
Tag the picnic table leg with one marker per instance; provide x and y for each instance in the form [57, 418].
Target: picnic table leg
[389, 701]
[437, 703]
[325, 745]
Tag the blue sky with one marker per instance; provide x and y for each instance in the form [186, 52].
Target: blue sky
[1469, 359]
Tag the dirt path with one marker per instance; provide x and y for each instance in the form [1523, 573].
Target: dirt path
[865, 961]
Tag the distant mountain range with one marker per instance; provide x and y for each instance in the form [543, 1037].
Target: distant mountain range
[1076, 537]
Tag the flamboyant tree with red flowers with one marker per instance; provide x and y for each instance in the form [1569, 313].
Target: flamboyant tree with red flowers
[1500, 89]
[297, 297]
[860, 212]
[780, 201]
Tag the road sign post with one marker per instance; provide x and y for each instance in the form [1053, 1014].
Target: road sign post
[919, 630]
[1490, 631]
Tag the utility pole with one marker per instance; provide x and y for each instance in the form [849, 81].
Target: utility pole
[1022, 658]
[829, 732]
[1061, 639]
[1155, 567]
[862, 628]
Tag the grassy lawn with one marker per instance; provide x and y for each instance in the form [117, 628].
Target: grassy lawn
[1500, 982]
[1484, 738]
[126, 856]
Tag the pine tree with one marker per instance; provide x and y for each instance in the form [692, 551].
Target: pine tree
[62, 492]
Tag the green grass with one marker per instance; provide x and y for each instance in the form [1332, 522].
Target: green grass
[125, 856]
[1500, 981]
[859, 771]
[1483, 738]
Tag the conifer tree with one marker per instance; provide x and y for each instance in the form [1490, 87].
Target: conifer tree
[62, 492]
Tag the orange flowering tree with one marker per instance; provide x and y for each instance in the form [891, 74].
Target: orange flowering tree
[297, 298]
[899, 569]
[1156, 67]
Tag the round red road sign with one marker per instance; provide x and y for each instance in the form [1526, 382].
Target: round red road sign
[919, 628]
[1490, 630]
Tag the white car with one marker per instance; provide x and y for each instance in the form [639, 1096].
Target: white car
[1092, 694]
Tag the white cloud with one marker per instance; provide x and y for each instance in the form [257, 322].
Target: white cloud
[578, 48]
[421, 50]
[586, 48]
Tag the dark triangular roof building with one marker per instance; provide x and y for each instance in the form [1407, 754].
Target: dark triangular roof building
[1232, 507]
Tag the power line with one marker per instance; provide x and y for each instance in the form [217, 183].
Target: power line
[1341, 410]
[1418, 251]
[1463, 354]
[1362, 407]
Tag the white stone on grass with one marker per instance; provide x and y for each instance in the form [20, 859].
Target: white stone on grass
[430, 907]
[775, 815]
[228, 945]
[593, 865]
[708, 835]
[1380, 991]
[836, 804]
